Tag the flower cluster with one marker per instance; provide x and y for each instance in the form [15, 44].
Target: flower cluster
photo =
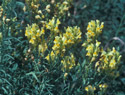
[93, 50]
[33, 5]
[103, 86]
[63, 7]
[63, 42]
[108, 60]
[33, 34]
[68, 62]
[53, 26]
[92, 46]
[34, 8]
[72, 36]
[94, 29]
[51, 56]
[36, 36]
[90, 89]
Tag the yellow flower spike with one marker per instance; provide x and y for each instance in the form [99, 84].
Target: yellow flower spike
[68, 62]
[94, 29]
[43, 47]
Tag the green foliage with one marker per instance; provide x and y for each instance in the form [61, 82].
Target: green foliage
[24, 70]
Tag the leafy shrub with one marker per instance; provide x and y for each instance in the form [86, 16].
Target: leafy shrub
[46, 50]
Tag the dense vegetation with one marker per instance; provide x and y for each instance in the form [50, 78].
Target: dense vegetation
[62, 47]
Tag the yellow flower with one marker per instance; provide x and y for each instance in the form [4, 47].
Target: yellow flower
[58, 22]
[34, 37]
[97, 29]
[38, 34]
[47, 26]
[55, 41]
[70, 41]
[26, 33]
[87, 89]
[56, 28]
[102, 25]
[90, 88]
[52, 53]
[90, 48]
[100, 85]
[37, 17]
[88, 54]
[31, 41]
[43, 31]
[89, 31]
[103, 86]
[97, 43]
[43, 16]
[88, 26]
[95, 53]
[97, 64]
[65, 42]
[65, 75]
[112, 63]
[114, 51]
[47, 57]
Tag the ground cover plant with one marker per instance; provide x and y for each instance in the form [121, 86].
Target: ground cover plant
[62, 47]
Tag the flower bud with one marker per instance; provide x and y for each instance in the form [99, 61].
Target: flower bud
[47, 7]
[37, 17]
